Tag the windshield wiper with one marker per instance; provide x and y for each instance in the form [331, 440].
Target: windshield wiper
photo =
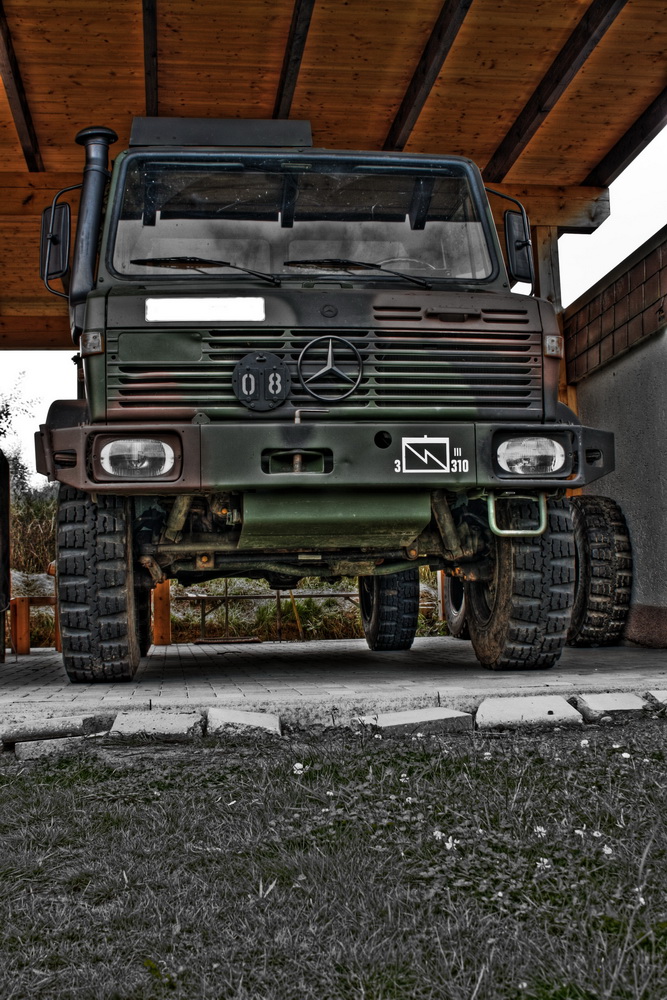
[343, 264]
[197, 263]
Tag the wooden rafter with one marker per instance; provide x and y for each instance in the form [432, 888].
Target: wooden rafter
[628, 146]
[150, 56]
[590, 29]
[445, 30]
[296, 43]
[16, 97]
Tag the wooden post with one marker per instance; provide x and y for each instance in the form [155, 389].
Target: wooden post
[20, 617]
[441, 576]
[162, 614]
[5, 586]
[547, 286]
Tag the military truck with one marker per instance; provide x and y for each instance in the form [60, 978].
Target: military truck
[300, 363]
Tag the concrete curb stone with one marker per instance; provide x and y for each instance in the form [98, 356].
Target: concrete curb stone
[159, 725]
[30, 726]
[616, 705]
[419, 720]
[547, 710]
[35, 749]
[221, 720]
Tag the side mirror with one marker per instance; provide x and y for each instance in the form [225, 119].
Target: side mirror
[54, 245]
[518, 246]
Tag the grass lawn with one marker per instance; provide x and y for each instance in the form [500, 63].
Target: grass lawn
[334, 866]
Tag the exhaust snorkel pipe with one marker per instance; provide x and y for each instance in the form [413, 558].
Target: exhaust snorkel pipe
[96, 141]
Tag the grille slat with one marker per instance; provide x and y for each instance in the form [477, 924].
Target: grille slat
[487, 370]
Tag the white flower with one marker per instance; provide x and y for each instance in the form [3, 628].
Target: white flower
[450, 844]
[438, 834]
[607, 849]
[330, 794]
[584, 743]
[596, 833]
[626, 755]
[299, 768]
[540, 831]
[403, 778]
[487, 756]
[543, 864]
[409, 799]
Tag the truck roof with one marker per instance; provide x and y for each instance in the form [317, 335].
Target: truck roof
[248, 132]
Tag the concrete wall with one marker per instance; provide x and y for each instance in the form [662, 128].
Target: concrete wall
[629, 397]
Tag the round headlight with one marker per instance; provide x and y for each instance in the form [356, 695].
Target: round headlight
[137, 458]
[531, 456]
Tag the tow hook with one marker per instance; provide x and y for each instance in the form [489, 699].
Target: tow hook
[517, 532]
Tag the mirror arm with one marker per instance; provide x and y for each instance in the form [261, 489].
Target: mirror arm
[51, 237]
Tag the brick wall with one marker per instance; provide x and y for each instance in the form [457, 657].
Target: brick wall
[624, 308]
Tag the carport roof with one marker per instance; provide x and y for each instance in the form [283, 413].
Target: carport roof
[550, 99]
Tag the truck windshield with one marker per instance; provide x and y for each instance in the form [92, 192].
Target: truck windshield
[298, 219]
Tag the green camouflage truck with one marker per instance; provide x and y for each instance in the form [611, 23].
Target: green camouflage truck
[305, 363]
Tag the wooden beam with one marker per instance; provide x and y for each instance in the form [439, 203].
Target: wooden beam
[17, 98]
[35, 333]
[591, 28]
[570, 209]
[296, 43]
[631, 144]
[150, 57]
[445, 30]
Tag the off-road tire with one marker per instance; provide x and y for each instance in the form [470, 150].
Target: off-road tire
[95, 588]
[389, 608]
[454, 607]
[604, 572]
[520, 619]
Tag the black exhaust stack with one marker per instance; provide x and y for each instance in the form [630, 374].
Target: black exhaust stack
[96, 141]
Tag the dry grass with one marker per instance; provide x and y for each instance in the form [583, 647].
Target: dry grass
[480, 868]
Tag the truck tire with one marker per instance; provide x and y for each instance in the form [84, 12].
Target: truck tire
[520, 619]
[454, 607]
[389, 608]
[604, 572]
[95, 588]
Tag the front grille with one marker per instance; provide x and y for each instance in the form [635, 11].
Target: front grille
[496, 373]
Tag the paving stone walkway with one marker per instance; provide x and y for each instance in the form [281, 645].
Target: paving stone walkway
[245, 675]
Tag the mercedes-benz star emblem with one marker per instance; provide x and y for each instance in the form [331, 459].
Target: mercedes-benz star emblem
[330, 368]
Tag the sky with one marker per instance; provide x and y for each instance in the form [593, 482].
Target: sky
[638, 210]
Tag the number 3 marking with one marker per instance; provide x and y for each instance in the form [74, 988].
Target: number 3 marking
[397, 465]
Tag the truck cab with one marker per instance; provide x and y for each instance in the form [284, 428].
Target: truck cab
[304, 362]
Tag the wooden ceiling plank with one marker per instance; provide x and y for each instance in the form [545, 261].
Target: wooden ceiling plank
[296, 43]
[631, 144]
[583, 40]
[442, 38]
[17, 98]
[150, 56]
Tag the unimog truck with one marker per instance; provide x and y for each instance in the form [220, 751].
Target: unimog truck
[301, 363]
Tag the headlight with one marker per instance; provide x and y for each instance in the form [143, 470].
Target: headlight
[531, 456]
[137, 458]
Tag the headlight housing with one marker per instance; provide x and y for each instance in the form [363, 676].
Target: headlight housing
[531, 456]
[136, 458]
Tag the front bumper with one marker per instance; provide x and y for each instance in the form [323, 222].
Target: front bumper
[248, 456]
